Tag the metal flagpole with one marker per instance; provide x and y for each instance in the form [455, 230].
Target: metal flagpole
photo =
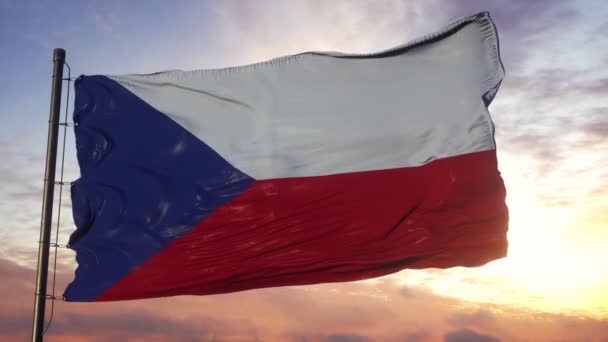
[47, 199]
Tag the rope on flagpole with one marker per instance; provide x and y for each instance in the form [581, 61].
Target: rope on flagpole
[55, 245]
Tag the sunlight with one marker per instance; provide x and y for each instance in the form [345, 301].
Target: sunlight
[548, 267]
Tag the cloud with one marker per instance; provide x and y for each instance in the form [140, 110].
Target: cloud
[21, 174]
[346, 338]
[480, 318]
[94, 320]
[407, 291]
[148, 324]
[466, 335]
[551, 123]
[417, 336]
[597, 125]
[361, 311]
[264, 30]
[521, 24]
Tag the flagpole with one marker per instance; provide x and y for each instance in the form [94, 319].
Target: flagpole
[47, 197]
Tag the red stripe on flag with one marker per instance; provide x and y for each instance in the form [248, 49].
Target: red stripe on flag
[296, 231]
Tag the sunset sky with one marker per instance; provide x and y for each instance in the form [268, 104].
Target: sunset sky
[551, 117]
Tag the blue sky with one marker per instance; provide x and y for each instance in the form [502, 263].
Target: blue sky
[100, 37]
[551, 118]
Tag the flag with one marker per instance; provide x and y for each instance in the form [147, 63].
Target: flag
[312, 168]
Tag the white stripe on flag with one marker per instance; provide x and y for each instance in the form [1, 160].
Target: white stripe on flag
[318, 114]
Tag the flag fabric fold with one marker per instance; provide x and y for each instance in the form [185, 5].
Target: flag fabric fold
[311, 168]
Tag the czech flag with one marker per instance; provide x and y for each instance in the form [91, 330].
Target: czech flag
[311, 168]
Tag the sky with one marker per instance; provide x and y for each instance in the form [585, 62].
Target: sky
[551, 117]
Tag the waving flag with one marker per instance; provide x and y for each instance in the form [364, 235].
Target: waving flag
[311, 168]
